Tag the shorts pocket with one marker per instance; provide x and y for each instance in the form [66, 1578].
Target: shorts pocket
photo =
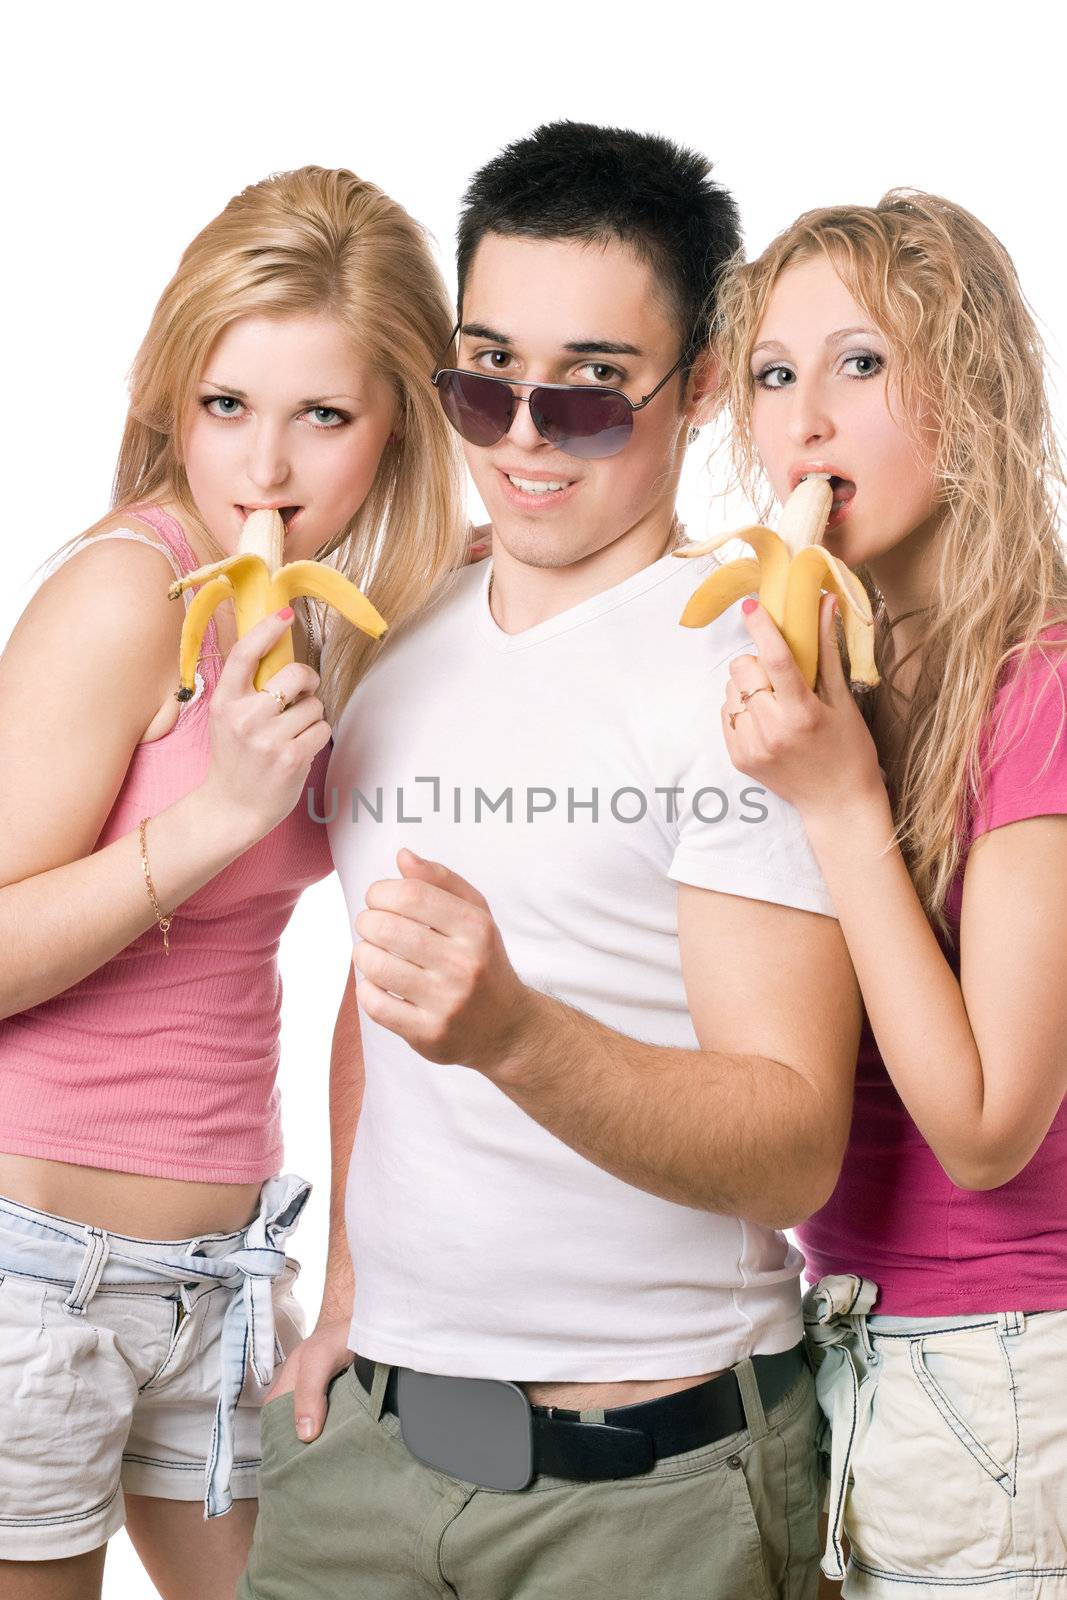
[934, 1459]
[690, 1527]
[803, 1495]
[727, 1496]
[281, 1446]
[923, 1363]
[277, 1425]
[781, 1475]
[276, 1407]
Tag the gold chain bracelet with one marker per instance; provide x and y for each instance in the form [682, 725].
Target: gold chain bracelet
[164, 922]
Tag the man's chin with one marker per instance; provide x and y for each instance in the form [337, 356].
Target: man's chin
[565, 548]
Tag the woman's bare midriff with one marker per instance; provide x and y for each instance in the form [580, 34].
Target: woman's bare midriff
[126, 1202]
[585, 1396]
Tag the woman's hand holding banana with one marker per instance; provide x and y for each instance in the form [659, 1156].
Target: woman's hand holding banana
[261, 754]
[811, 748]
[262, 749]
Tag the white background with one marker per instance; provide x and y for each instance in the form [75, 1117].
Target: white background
[126, 127]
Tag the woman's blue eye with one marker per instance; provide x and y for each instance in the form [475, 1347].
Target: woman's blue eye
[320, 413]
[228, 405]
[777, 377]
[874, 364]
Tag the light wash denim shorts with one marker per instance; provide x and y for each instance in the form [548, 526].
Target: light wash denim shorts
[946, 1440]
[134, 1364]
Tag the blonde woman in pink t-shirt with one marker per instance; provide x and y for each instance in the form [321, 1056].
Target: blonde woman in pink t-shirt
[892, 348]
[151, 852]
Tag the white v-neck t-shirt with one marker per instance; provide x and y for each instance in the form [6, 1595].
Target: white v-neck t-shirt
[484, 1246]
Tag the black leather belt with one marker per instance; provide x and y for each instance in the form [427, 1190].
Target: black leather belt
[632, 1438]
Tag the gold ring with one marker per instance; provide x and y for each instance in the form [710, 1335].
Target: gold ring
[746, 694]
[733, 715]
[282, 701]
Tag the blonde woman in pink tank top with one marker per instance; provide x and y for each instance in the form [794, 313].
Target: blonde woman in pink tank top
[891, 347]
[150, 856]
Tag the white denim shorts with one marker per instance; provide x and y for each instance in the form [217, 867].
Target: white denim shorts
[946, 1440]
[134, 1365]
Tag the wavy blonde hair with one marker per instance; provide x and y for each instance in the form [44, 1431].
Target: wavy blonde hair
[964, 349]
[316, 240]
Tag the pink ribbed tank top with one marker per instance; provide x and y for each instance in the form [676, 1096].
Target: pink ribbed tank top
[162, 1065]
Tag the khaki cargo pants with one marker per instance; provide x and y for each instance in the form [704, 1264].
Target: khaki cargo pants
[354, 1516]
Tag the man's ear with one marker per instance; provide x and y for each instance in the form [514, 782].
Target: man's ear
[704, 388]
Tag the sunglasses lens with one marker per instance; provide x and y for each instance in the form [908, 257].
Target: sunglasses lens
[479, 409]
[588, 423]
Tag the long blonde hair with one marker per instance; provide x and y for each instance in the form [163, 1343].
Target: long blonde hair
[307, 241]
[965, 349]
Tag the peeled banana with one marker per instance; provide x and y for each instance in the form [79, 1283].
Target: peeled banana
[789, 572]
[257, 583]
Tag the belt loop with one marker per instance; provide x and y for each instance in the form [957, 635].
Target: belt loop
[377, 1389]
[755, 1420]
[1012, 1322]
[97, 1250]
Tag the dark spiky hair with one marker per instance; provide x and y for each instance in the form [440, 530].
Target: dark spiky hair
[574, 180]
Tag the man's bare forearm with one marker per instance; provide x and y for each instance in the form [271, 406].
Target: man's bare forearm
[346, 1097]
[736, 1134]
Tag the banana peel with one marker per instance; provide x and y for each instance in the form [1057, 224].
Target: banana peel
[789, 572]
[258, 584]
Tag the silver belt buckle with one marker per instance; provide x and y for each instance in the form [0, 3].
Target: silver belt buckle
[477, 1429]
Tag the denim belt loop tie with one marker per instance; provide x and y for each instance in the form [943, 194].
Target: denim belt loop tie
[97, 1250]
[835, 1313]
[83, 1259]
[248, 1326]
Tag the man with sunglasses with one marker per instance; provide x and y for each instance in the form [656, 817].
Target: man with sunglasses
[608, 1028]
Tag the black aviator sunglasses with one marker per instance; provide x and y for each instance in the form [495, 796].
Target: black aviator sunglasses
[578, 419]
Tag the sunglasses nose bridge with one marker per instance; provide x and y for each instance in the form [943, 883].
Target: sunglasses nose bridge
[522, 428]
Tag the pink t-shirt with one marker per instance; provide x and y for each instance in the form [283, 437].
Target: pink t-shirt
[895, 1217]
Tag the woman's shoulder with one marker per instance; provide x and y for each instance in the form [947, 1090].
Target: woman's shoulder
[1032, 673]
[1023, 750]
[113, 582]
[99, 632]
